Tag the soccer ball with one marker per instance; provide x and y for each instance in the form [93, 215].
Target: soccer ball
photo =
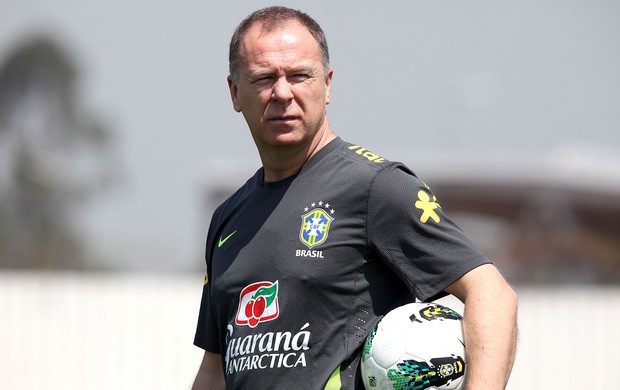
[414, 347]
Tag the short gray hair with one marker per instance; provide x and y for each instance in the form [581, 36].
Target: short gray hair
[272, 18]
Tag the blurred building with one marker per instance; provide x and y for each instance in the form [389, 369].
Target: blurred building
[541, 223]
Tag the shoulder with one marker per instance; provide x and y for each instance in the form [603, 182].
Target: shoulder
[347, 163]
[240, 195]
[359, 158]
[383, 169]
[361, 155]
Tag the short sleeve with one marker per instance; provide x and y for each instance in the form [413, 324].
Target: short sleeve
[409, 229]
[206, 336]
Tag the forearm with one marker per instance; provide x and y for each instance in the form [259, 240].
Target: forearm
[490, 332]
[489, 327]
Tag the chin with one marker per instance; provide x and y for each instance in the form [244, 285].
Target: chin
[285, 141]
[284, 136]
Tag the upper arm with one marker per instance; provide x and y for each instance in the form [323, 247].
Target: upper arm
[482, 280]
[424, 247]
[211, 373]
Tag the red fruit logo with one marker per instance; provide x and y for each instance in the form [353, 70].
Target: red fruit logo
[258, 303]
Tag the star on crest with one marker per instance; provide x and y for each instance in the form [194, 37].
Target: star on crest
[321, 204]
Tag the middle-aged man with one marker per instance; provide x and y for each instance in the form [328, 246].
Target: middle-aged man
[327, 237]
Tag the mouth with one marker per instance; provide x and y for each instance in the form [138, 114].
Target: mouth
[283, 119]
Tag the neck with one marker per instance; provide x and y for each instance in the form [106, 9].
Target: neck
[282, 162]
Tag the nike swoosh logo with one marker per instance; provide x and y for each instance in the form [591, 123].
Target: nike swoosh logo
[223, 240]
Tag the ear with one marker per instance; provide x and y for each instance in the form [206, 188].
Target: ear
[233, 94]
[328, 86]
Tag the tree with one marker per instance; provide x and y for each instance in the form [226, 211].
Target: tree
[54, 155]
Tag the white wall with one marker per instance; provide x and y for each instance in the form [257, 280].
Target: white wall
[89, 331]
[75, 331]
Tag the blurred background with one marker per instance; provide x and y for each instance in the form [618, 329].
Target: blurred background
[118, 140]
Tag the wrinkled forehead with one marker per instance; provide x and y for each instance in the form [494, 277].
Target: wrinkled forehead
[284, 36]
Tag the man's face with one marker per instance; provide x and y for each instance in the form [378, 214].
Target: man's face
[282, 89]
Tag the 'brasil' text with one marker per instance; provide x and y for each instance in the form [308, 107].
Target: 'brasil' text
[307, 253]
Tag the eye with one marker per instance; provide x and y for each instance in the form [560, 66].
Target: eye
[264, 80]
[299, 77]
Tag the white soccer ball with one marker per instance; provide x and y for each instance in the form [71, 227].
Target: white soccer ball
[414, 347]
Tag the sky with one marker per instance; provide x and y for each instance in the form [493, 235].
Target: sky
[424, 82]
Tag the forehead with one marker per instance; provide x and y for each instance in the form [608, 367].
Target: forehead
[287, 43]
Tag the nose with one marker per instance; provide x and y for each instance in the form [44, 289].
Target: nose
[282, 90]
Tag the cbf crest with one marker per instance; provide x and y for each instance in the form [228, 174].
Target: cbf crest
[315, 224]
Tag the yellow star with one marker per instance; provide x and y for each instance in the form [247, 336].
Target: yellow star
[427, 206]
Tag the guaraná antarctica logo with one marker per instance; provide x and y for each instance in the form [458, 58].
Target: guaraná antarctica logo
[261, 350]
[258, 303]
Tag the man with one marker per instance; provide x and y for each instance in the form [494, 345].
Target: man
[327, 237]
